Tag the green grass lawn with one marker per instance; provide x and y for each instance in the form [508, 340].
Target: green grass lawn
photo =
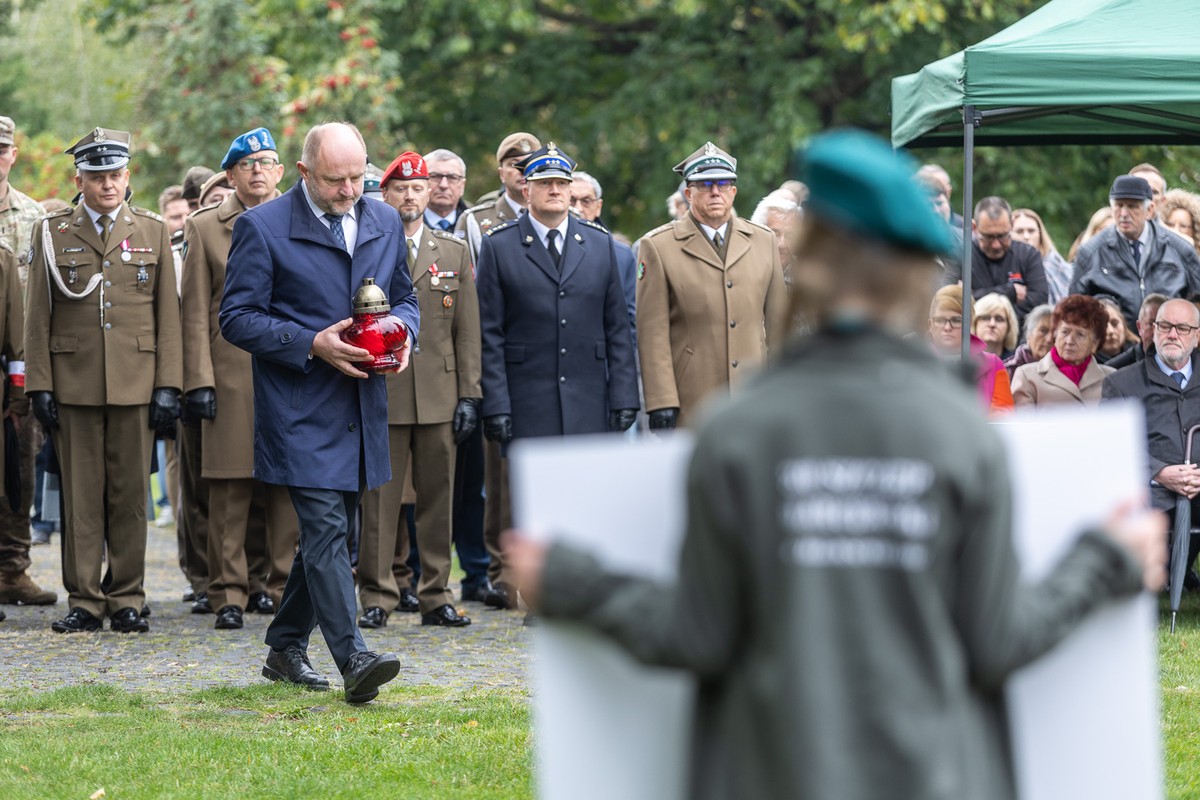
[1179, 677]
[264, 742]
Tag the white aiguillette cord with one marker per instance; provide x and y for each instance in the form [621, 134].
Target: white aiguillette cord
[52, 268]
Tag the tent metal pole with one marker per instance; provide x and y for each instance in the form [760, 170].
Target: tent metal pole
[971, 120]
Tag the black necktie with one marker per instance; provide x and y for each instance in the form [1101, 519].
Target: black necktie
[335, 227]
[552, 246]
[1178, 378]
[1137, 252]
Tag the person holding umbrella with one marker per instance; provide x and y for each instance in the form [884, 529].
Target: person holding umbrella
[1167, 384]
[848, 592]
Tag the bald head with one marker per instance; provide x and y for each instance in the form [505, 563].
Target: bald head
[333, 164]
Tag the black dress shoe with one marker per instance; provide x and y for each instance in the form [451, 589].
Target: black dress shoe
[501, 596]
[201, 605]
[128, 620]
[373, 617]
[478, 593]
[445, 615]
[145, 610]
[260, 603]
[228, 618]
[408, 601]
[189, 595]
[366, 672]
[78, 620]
[291, 665]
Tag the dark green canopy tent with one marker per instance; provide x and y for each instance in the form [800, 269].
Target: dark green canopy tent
[1072, 72]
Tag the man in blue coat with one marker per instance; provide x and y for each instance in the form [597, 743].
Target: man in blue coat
[320, 423]
[557, 345]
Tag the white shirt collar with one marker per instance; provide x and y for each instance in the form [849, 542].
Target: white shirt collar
[416, 237]
[517, 208]
[433, 218]
[709, 232]
[543, 231]
[95, 215]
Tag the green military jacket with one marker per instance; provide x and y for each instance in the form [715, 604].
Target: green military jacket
[848, 591]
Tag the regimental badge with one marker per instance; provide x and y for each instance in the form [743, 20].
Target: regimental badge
[142, 276]
[578, 238]
[406, 169]
[528, 239]
[447, 301]
[641, 270]
[710, 149]
[487, 223]
[62, 226]
[72, 275]
[99, 135]
[254, 145]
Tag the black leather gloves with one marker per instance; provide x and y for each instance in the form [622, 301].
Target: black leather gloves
[466, 419]
[498, 428]
[201, 403]
[164, 410]
[45, 409]
[664, 419]
[621, 419]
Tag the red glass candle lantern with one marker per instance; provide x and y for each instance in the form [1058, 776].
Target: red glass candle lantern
[375, 329]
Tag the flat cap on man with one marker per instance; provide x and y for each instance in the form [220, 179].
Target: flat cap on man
[1130, 187]
[247, 144]
[547, 162]
[8, 129]
[101, 150]
[857, 182]
[709, 163]
[407, 166]
[517, 144]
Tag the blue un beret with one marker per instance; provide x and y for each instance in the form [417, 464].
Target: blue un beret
[857, 181]
[248, 143]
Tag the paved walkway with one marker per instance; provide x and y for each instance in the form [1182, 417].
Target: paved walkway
[182, 650]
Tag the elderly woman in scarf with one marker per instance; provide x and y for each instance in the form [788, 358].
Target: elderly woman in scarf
[1069, 373]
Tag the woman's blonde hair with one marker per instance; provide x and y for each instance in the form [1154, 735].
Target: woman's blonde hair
[1045, 244]
[998, 302]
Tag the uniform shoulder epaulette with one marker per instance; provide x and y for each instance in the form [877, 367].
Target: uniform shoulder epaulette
[512, 223]
[145, 212]
[485, 204]
[666, 226]
[594, 224]
[6, 247]
[448, 236]
[204, 210]
[62, 212]
[758, 225]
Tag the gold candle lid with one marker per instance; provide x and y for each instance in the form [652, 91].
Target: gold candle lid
[370, 299]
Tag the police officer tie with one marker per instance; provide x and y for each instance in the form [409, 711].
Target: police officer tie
[445, 225]
[335, 227]
[412, 253]
[552, 246]
[1178, 378]
[105, 228]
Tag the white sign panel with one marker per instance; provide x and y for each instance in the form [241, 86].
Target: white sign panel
[606, 727]
[1085, 716]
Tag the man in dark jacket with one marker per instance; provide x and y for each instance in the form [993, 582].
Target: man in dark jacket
[1000, 265]
[1167, 383]
[1137, 255]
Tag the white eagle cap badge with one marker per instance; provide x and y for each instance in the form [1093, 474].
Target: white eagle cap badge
[254, 145]
[406, 169]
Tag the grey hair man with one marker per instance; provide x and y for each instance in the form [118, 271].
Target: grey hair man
[779, 212]
[447, 183]
[1136, 255]
[587, 202]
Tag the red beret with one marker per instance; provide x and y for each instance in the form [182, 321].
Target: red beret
[406, 167]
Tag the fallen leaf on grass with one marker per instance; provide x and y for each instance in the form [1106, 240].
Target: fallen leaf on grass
[96, 795]
[472, 724]
[25, 768]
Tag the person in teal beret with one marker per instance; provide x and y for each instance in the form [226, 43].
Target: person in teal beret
[848, 594]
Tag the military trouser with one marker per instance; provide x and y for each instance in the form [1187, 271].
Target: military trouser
[14, 526]
[191, 518]
[244, 515]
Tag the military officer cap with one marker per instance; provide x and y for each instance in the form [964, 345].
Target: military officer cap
[709, 163]
[516, 144]
[545, 163]
[858, 182]
[247, 144]
[407, 166]
[371, 181]
[7, 129]
[193, 180]
[217, 179]
[101, 150]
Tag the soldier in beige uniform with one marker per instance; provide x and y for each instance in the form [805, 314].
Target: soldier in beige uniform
[103, 375]
[474, 223]
[431, 407]
[18, 214]
[711, 298]
[243, 513]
